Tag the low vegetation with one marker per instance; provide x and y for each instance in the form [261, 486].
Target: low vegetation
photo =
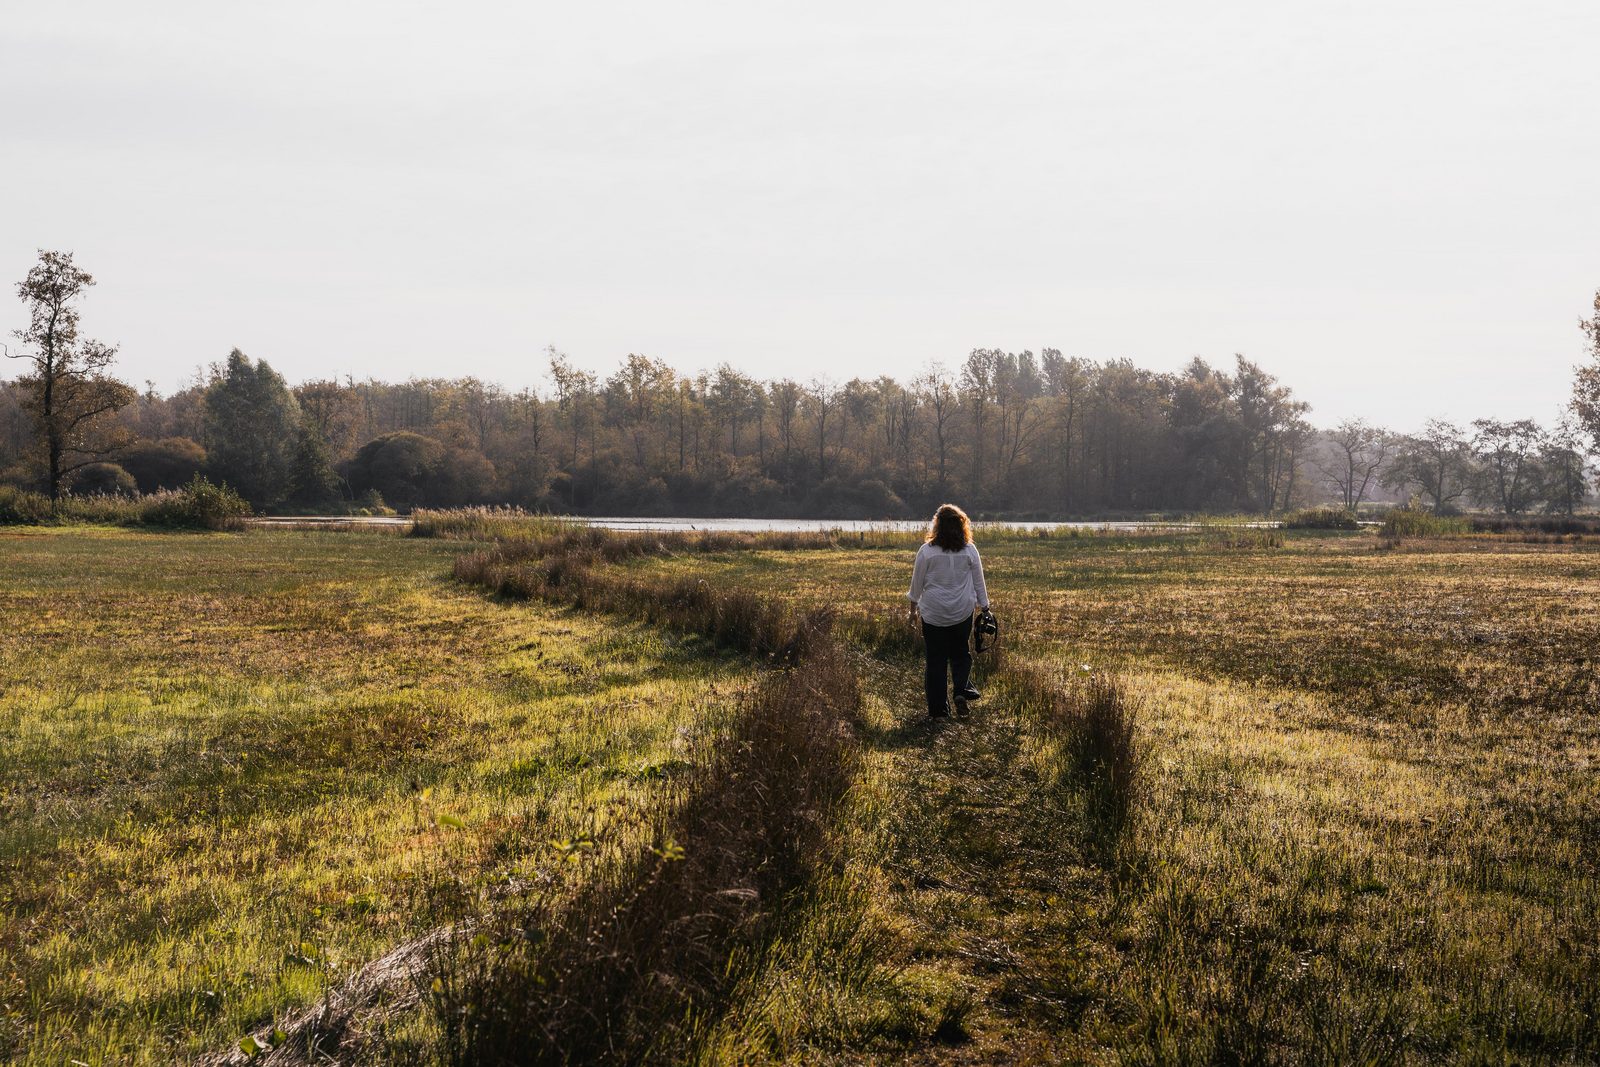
[1273, 796]
[654, 945]
[199, 505]
[1406, 522]
[235, 768]
[1321, 519]
[1366, 785]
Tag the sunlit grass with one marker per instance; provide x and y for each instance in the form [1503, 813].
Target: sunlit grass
[1366, 826]
[233, 768]
[1369, 830]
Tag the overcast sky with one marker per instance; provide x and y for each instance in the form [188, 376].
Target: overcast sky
[1394, 206]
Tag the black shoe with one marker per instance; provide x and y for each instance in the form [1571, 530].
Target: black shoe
[969, 694]
[961, 707]
[942, 713]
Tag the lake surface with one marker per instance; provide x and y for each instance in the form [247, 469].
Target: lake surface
[853, 525]
[622, 522]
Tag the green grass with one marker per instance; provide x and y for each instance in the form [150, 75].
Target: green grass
[1369, 830]
[234, 768]
[1366, 825]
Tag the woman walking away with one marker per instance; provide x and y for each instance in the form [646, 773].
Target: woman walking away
[946, 585]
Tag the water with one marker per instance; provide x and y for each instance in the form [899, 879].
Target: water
[861, 525]
[622, 522]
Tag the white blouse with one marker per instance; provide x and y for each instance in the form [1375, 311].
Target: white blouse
[947, 586]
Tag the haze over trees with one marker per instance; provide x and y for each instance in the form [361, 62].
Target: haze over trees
[1009, 433]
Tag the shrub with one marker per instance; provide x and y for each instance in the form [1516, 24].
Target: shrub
[200, 504]
[1321, 519]
[372, 503]
[103, 479]
[165, 464]
[20, 507]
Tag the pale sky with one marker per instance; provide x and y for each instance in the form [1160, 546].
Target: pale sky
[1394, 206]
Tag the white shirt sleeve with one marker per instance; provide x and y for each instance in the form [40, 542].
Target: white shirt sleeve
[980, 590]
[919, 577]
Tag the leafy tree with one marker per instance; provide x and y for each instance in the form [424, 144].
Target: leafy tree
[1436, 463]
[252, 430]
[311, 476]
[1507, 455]
[1207, 438]
[67, 390]
[1273, 431]
[412, 470]
[1562, 468]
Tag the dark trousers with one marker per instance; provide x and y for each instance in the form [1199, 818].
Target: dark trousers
[947, 650]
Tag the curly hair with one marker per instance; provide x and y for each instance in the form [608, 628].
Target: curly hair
[950, 529]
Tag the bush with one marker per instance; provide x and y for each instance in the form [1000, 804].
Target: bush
[103, 479]
[200, 504]
[1321, 519]
[19, 507]
[416, 471]
[165, 464]
[372, 503]
[1407, 522]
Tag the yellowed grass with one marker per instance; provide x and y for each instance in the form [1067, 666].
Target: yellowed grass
[233, 768]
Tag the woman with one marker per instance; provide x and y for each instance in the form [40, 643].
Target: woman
[946, 585]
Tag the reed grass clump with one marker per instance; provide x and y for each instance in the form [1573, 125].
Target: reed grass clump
[200, 505]
[1406, 522]
[647, 954]
[486, 524]
[1321, 519]
[1092, 722]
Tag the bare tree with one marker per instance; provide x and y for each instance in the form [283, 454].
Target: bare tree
[67, 390]
[824, 396]
[1586, 387]
[939, 393]
[1357, 451]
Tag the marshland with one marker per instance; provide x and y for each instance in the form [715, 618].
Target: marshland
[1282, 796]
[495, 499]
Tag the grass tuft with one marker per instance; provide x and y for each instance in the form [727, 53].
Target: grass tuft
[645, 958]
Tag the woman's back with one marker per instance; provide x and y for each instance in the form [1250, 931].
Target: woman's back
[947, 585]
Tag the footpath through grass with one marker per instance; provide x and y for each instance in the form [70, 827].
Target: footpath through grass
[234, 768]
[1367, 828]
[1370, 828]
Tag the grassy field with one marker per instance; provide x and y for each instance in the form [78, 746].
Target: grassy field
[1366, 826]
[1370, 826]
[235, 767]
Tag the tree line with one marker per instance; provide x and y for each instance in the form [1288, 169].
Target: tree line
[1009, 433]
